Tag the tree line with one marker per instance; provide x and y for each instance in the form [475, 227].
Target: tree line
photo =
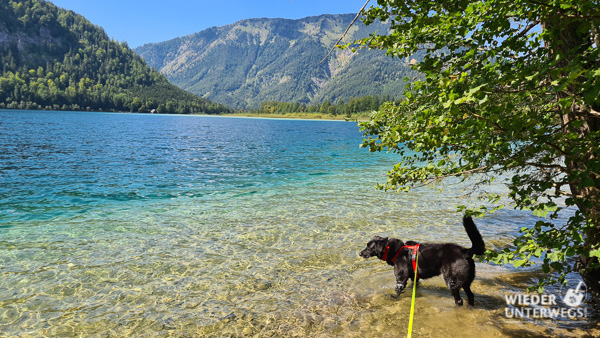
[355, 105]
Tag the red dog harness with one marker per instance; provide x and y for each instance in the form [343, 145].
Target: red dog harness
[414, 249]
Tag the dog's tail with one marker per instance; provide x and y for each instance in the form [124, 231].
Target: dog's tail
[478, 247]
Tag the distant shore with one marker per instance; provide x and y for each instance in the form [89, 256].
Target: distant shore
[300, 116]
[308, 116]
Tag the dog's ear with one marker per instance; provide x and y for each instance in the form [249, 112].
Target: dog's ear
[378, 244]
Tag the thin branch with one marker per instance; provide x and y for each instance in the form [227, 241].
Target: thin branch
[528, 28]
[490, 167]
[540, 3]
[499, 127]
[571, 16]
[594, 113]
[466, 172]
[506, 91]
[583, 17]
[547, 166]
[487, 120]
[346, 32]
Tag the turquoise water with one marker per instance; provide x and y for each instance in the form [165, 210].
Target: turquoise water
[125, 224]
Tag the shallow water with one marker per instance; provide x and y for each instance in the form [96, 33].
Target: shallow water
[135, 225]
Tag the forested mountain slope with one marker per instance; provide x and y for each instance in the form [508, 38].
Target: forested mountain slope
[55, 59]
[256, 60]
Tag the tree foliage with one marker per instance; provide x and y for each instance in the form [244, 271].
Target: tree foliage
[509, 88]
[56, 59]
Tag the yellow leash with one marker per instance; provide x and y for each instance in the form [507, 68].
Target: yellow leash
[412, 305]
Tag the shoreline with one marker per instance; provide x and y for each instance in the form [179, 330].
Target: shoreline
[302, 116]
[291, 116]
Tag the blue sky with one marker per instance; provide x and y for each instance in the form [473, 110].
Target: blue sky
[139, 22]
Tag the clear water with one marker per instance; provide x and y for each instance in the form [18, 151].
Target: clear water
[138, 225]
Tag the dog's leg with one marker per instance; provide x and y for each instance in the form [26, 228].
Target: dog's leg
[456, 294]
[470, 295]
[400, 286]
[401, 279]
[454, 289]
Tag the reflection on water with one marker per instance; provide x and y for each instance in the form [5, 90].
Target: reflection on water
[130, 225]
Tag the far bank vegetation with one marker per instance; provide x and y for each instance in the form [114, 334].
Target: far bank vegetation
[358, 107]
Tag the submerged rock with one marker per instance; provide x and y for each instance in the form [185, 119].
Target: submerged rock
[229, 318]
[262, 286]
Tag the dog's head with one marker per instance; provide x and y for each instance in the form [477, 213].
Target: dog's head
[374, 247]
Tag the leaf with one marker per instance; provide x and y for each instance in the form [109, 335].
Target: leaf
[557, 266]
[519, 263]
[546, 268]
[475, 90]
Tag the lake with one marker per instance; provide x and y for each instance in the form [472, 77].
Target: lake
[143, 225]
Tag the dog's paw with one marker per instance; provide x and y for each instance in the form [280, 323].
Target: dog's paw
[400, 289]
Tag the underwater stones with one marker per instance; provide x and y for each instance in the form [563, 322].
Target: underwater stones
[262, 286]
[229, 318]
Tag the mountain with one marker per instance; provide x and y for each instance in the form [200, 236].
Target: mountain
[257, 60]
[55, 59]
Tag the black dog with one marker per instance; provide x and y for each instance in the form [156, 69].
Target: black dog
[452, 260]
